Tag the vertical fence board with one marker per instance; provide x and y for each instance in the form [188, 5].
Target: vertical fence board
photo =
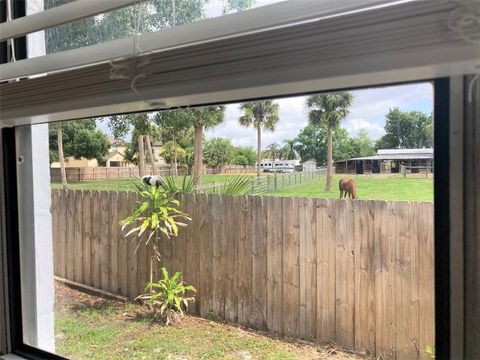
[426, 281]
[54, 211]
[308, 265]
[344, 274]
[131, 255]
[70, 243]
[217, 254]
[123, 205]
[244, 265]
[96, 247]
[291, 272]
[113, 241]
[229, 244]
[259, 262]
[364, 276]
[78, 238]
[326, 267]
[275, 267]
[105, 208]
[62, 226]
[206, 256]
[87, 238]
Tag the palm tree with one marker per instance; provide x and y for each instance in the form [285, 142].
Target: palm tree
[329, 108]
[260, 114]
[273, 151]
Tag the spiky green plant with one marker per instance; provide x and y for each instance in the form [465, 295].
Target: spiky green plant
[167, 296]
[157, 215]
[239, 185]
[169, 185]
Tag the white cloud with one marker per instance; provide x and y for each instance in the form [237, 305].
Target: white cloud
[367, 112]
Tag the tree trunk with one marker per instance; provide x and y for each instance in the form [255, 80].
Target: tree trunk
[150, 154]
[328, 186]
[175, 155]
[141, 155]
[259, 149]
[198, 154]
[61, 158]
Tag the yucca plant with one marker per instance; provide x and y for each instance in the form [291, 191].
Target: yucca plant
[167, 296]
[239, 185]
[169, 185]
[157, 215]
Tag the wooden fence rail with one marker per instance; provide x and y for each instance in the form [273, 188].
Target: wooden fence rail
[356, 272]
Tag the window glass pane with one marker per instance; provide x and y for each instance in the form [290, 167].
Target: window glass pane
[148, 16]
[369, 252]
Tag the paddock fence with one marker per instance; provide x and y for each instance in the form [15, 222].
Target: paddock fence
[359, 273]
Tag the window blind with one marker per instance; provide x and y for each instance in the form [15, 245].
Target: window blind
[59, 15]
[334, 47]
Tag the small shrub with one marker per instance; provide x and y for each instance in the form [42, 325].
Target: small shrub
[167, 297]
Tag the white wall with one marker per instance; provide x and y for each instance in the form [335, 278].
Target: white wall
[35, 221]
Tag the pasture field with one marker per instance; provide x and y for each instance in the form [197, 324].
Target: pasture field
[369, 187]
[126, 184]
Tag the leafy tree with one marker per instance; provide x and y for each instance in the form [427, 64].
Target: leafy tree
[273, 151]
[259, 114]
[233, 6]
[218, 152]
[406, 129]
[173, 127]
[287, 152]
[362, 145]
[244, 156]
[121, 23]
[173, 153]
[201, 118]
[139, 125]
[329, 108]
[311, 143]
[79, 139]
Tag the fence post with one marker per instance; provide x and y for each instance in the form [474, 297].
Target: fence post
[275, 184]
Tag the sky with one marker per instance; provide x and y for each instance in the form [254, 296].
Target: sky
[368, 112]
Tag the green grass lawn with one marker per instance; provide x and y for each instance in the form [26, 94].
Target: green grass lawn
[371, 187]
[368, 187]
[88, 327]
[126, 184]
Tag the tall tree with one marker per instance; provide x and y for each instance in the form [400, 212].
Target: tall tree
[273, 151]
[287, 152]
[311, 144]
[362, 145]
[329, 108]
[259, 114]
[406, 129]
[139, 125]
[173, 126]
[201, 118]
[78, 138]
[218, 152]
[244, 156]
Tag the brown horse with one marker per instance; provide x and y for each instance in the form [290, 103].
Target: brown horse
[347, 186]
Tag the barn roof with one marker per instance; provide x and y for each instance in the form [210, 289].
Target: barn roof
[399, 154]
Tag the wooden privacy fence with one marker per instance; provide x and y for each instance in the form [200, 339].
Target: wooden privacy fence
[356, 272]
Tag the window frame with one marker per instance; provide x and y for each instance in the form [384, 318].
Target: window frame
[441, 229]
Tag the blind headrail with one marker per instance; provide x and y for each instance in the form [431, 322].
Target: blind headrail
[59, 15]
